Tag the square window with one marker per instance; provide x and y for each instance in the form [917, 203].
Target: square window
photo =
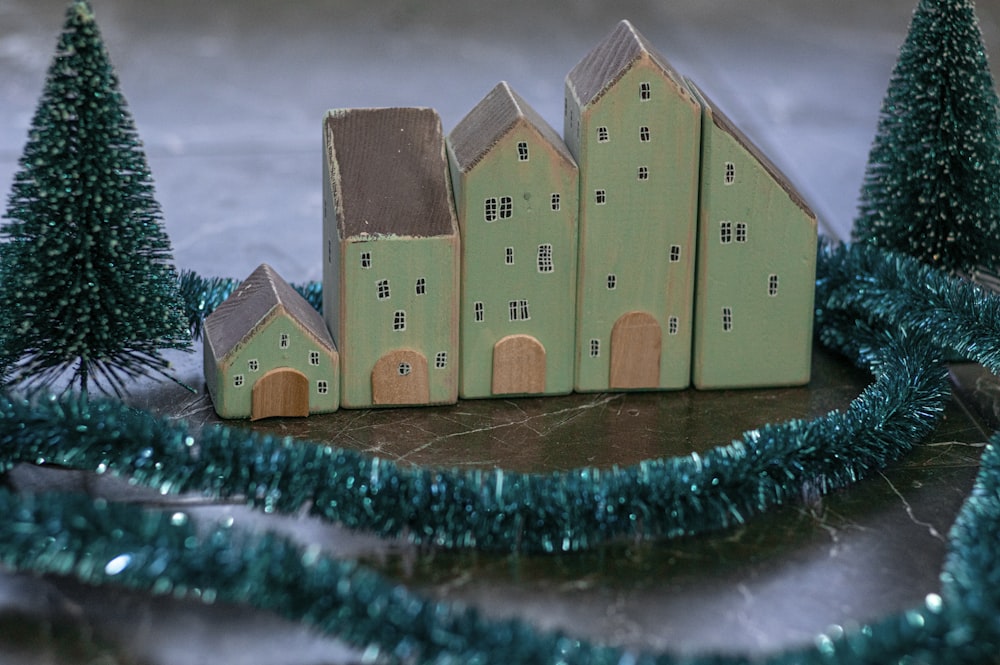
[556, 202]
[741, 232]
[441, 360]
[479, 310]
[238, 381]
[506, 207]
[725, 232]
[612, 282]
[675, 253]
[421, 286]
[600, 197]
[545, 258]
[508, 256]
[602, 135]
[645, 91]
[490, 209]
[314, 358]
[772, 285]
[253, 365]
[644, 134]
[284, 341]
[399, 320]
[727, 319]
[643, 173]
[595, 348]
[382, 287]
[322, 387]
[366, 260]
[522, 151]
[730, 176]
[673, 325]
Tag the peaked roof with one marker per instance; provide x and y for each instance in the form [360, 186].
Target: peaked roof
[499, 112]
[613, 56]
[722, 121]
[253, 301]
[389, 172]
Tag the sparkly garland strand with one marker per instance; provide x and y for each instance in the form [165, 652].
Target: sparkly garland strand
[105, 543]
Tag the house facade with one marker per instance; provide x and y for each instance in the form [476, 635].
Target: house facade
[391, 256]
[267, 353]
[516, 187]
[756, 266]
[634, 129]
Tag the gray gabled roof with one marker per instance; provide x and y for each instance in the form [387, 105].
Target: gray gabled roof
[389, 173]
[499, 112]
[613, 56]
[256, 299]
[723, 122]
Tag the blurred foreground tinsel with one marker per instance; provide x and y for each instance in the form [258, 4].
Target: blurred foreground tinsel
[861, 293]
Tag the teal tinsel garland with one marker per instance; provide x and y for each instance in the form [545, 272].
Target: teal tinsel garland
[860, 293]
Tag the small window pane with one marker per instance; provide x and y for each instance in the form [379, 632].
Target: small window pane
[602, 135]
[612, 282]
[556, 202]
[253, 365]
[314, 358]
[545, 258]
[730, 176]
[643, 173]
[404, 369]
[725, 232]
[421, 286]
[322, 387]
[441, 360]
[675, 253]
[480, 312]
[506, 207]
[284, 341]
[644, 134]
[645, 91]
[399, 320]
[595, 348]
[772, 285]
[382, 287]
[673, 325]
[727, 319]
[508, 256]
[490, 209]
[238, 381]
[522, 151]
[366, 260]
[600, 197]
[741, 232]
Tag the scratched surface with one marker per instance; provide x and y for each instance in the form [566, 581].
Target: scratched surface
[228, 97]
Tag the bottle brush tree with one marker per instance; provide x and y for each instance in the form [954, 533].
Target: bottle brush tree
[87, 286]
[932, 186]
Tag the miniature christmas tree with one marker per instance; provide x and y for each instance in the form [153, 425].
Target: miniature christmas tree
[932, 187]
[86, 282]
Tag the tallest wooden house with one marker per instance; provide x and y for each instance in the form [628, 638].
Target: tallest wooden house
[634, 129]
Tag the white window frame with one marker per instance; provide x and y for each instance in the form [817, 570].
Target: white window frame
[478, 311]
[506, 210]
[522, 151]
[322, 387]
[284, 341]
[490, 209]
[545, 263]
[773, 284]
[238, 381]
[556, 201]
[729, 175]
[600, 196]
[725, 232]
[612, 281]
[382, 290]
[441, 360]
[644, 134]
[314, 358]
[404, 368]
[602, 134]
[645, 91]
[675, 253]
[519, 310]
[508, 256]
[673, 325]
[399, 320]
[366, 260]
[253, 365]
[420, 287]
[595, 348]
[643, 173]
[742, 232]
[727, 319]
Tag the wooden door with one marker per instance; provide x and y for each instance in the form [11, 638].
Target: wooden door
[518, 366]
[400, 378]
[636, 341]
[280, 392]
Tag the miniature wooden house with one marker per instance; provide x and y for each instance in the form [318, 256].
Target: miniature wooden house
[515, 186]
[391, 245]
[268, 353]
[756, 266]
[634, 129]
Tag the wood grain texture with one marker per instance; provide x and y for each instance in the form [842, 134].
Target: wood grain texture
[400, 378]
[518, 366]
[636, 340]
[282, 392]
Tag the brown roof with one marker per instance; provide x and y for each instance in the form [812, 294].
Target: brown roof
[260, 294]
[389, 172]
[613, 56]
[492, 119]
[722, 121]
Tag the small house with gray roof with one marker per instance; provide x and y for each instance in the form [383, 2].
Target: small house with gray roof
[634, 129]
[516, 187]
[391, 256]
[267, 352]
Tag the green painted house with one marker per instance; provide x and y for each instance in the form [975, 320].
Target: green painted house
[391, 253]
[634, 128]
[515, 188]
[267, 352]
[756, 266]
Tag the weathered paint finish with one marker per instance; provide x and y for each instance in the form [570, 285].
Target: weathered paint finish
[762, 275]
[540, 270]
[631, 235]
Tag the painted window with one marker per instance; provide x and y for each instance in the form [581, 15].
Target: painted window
[253, 365]
[644, 134]
[284, 341]
[602, 135]
[730, 176]
[545, 258]
[595, 348]
[519, 310]
[238, 381]
[600, 197]
[314, 358]
[366, 260]
[675, 253]
[556, 202]
[522, 151]
[490, 209]
[441, 360]
[322, 387]
[612, 282]
[506, 207]
[479, 311]
[727, 319]
[421, 286]
[772, 285]
[383, 289]
[643, 173]
[741, 231]
[645, 91]
[508, 257]
[399, 320]
[725, 232]
[404, 369]
[673, 325]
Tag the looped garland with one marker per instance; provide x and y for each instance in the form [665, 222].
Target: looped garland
[860, 292]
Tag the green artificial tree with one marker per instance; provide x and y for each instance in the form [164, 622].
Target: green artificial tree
[87, 288]
[932, 186]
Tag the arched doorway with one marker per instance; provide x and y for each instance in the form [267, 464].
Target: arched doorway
[518, 366]
[636, 341]
[280, 392]
[400, 377]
